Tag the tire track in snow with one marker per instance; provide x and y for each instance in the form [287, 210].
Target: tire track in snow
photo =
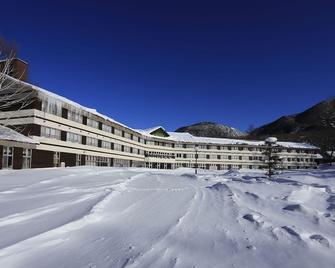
[159, 247]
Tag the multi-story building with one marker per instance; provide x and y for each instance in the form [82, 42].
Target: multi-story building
[69, 133]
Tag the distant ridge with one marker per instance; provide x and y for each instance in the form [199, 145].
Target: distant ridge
[211, 129]
[307, 126]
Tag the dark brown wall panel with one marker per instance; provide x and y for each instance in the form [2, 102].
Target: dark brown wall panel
[68, 159]
[42, 159]
[83, 160]
[17, 161]
[29, 129]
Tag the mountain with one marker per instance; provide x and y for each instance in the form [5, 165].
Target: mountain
[210, 129]
[313, 125]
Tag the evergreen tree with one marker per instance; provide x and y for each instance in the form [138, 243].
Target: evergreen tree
[271, 159]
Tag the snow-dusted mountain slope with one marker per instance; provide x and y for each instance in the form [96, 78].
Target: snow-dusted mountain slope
[108, 217]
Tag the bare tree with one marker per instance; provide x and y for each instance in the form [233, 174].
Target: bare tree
[14, 95]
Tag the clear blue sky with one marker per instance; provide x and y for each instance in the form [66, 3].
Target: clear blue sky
[174, 63]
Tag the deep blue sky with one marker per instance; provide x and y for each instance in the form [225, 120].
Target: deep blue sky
[174, 63]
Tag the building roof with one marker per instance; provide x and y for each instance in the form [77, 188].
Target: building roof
[12, 135]
[187, 137]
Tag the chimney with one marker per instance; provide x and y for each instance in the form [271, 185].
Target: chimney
[19, 69]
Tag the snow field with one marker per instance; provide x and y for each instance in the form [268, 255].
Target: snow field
[110, 217]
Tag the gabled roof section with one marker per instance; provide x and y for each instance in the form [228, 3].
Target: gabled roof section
[156, 131]
[11, 135]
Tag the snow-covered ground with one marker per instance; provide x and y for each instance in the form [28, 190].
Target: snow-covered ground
[108, 217]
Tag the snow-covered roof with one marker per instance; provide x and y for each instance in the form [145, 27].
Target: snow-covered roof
[318, 156]
[150, 130]
[12, 135]
[46, 94]
[187, 137]
[330, 153]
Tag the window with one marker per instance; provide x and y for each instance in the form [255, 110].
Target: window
[126, 149]
[72, 137]
[92, 123]
[78, 160]
[117, 132]
[106, 128]
[7, 157]
[49, 132]
[105, 144]
[126, 135]
[229, 157]
[75, 116]
[90, 160]
[121, 163]
[26, 161]
[56, 159]
[102, 161]
[55, 108]
[117, 147]
[92, 142]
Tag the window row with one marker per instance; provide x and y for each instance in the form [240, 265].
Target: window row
[8, 157]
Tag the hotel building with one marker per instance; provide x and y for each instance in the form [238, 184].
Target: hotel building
[69, 133]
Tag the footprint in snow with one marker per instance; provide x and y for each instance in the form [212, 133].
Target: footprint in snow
[293, 207]
[251, 218]
[320, 239]
[255, 196]
[291, 232]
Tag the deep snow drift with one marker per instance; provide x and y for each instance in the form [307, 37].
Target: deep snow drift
[108, 217]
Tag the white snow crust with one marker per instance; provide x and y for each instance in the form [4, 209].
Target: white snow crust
[119, 217]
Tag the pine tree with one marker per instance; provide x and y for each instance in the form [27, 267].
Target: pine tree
[271, 159]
